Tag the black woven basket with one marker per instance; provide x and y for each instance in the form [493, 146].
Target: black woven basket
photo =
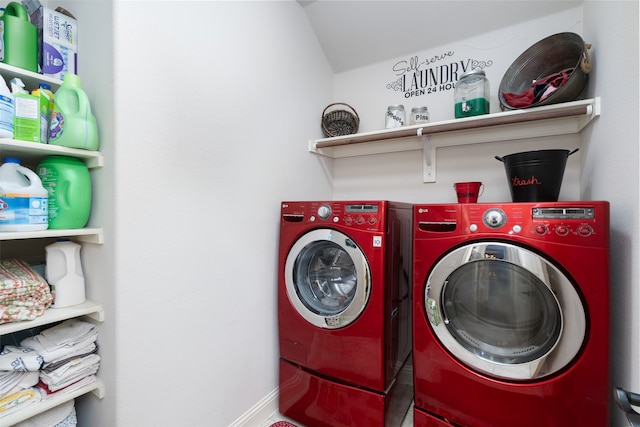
[337, 121]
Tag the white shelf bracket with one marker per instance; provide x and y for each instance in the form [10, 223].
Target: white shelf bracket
[99, 391]
[428, 158]
[595, 109]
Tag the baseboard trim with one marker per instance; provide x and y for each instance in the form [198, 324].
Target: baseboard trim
[260, 412]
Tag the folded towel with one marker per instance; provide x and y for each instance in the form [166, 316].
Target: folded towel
[14, 358]
[62, 340]
[19, 400]
[49, 394]
[18, 278]
[61, 353]
[71, 372]
[90, 349]
[12, 381]
[24, 294]
[66, 334]
[73, 366]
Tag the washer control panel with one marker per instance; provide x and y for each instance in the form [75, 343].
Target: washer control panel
[584, 223]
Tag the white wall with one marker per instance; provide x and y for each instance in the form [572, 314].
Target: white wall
[215, 102]
[610, 172]
[95, 19]
[399, 175]
[205, 109]
[605, 168]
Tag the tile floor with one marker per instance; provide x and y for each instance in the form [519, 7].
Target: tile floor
[407, 422]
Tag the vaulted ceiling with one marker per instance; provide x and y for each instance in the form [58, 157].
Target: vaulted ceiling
[355, 33]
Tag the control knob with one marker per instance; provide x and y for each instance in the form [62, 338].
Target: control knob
[324, 211]
[585, 230]
[562, 230]
[494, 218]
[541, 229]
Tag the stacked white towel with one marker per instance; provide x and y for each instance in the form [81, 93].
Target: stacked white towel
[19, 373]
[69, 353]
[14, 358]
[18, 399]
[71, 372]
[58, 342]
[13, 381]
[46, 394]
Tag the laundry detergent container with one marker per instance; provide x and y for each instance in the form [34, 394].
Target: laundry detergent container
[68, 184]
[535, 176]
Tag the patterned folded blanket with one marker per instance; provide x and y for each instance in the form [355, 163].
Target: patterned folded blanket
[24, 294]
[19, 400]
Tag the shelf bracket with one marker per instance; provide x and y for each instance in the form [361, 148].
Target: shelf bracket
[99, 391]
[98, 316]
[97, 238]
[428, 158]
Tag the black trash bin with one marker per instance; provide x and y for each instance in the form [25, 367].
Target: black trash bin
[536, 176]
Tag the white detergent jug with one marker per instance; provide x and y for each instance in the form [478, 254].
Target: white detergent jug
[24, 202]
[63, 271]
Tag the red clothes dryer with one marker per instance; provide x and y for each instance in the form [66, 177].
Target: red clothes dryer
[511, 314]
[344, 312]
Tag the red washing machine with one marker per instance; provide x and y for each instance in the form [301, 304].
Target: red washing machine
[511, 314]
[344, 313]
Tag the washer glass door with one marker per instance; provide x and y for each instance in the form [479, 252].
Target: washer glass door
[327, 278]
[505, 311]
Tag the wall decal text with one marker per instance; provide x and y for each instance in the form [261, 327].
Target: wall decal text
[417, 77]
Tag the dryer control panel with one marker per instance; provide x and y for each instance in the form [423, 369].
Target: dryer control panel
[584, 223]
[365, 215]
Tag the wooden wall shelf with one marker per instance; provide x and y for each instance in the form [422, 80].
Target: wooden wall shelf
[557, 119]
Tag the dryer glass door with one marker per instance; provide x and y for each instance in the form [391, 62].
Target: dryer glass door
[327, 278]
[505, 310]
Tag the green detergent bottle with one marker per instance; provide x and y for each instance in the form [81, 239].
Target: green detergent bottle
[68, 184]
[72, 122]
[20, 38]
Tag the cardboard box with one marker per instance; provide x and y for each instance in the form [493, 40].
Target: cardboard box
[46, 106]
[57, 42]
[26, 123]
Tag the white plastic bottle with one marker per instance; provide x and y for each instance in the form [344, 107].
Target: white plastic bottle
[7, 112]
[24, 202]
[63, 271]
